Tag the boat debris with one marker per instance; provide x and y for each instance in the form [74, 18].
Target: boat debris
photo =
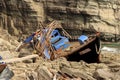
[5, 72]
[52, 42]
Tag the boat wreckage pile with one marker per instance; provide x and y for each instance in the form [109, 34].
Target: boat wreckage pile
[52, 42]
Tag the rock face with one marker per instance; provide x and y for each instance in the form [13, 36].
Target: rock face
[102, 15]
[24, 16]
[85, 13]
[20, 16]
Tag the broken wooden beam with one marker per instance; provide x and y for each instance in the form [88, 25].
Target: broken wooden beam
[14, 60]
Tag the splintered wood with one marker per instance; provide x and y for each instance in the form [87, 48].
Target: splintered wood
[40, 47]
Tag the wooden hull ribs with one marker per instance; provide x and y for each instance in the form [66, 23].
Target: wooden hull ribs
[52, 42]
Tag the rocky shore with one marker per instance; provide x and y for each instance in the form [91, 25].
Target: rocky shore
[108, 69]
[21, 17]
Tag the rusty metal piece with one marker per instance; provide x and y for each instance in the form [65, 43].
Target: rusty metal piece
[2, 67]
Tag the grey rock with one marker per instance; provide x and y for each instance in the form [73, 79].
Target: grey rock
[103, 74]
[6, 74]
[77, 72]
[44, 74]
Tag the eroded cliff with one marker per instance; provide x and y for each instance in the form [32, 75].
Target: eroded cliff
[20, 16]
[24, 16]
[102, 15]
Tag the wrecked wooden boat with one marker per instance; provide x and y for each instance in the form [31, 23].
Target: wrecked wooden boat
[52, 42]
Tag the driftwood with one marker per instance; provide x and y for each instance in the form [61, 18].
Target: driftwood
[13, 60]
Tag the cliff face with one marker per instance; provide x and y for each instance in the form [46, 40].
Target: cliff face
[20, 16]
[24, 16]
[102, 15]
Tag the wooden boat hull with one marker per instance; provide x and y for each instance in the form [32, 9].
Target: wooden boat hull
[88, 52]
[49, 44]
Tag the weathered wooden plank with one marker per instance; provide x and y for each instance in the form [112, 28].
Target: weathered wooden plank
[14, 60]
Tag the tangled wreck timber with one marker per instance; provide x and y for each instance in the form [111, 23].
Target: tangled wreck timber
[52, 42]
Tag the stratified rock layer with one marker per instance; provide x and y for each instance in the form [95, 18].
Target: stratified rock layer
[24, 16]
[101, 15]
[20, 16]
